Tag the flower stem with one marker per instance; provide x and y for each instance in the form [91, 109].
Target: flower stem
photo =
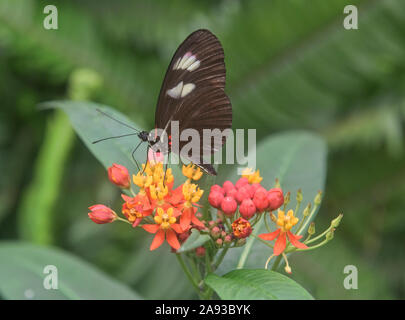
[123, 220]
[260, 239]
[221, 257]
[320, 235]
[266, 223]
[308, 220]
[188, 274]
[276, 263]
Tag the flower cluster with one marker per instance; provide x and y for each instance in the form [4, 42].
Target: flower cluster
[172, 213]
[157, 207]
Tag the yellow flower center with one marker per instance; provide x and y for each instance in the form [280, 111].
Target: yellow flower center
[191, 193]
[165, 219]
[192, 172]
[286, 221]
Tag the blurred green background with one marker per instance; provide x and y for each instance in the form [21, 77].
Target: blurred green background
[290, 64]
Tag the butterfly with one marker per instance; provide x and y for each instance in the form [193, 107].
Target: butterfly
[192, 94]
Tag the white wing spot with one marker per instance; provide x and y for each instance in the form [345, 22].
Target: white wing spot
[187, 88]
[194, 66]
[188, 61]
[180, 91]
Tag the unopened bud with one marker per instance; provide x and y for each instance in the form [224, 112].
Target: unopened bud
[318, 198]
[335, 222]
[219, 242]
[277, 184]
[307, 210]
[329, 235]
[223, 234]
[311, 229]
[228, 239]
[200, 252]
[299, 196]
[273, 217]
[215, 232]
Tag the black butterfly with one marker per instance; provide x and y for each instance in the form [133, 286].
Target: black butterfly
[193, 94]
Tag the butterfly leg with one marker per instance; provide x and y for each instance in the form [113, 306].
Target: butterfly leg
[146, 161]
[133, 155]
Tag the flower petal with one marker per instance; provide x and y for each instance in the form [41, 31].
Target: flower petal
[280, 244]
[136, 222]
[151, 228]
[171, 238]
[126, 198]
[185, 218]
[197, 222]
[176, 227]
[294, 241]
[269, 236]
[157, 240]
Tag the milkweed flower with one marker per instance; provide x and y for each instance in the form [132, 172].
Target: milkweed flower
[119, 176]
[229, 206]
[241, 228]
[136, 208]
[101, 214]
[165, 227]
[285, 222]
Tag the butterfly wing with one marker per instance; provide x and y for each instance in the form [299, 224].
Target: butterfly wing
[193, 90]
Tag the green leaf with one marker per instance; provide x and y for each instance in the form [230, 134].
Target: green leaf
[90, 125]
[251, 284]
[195, 240]
[22, 273]
[298, 160]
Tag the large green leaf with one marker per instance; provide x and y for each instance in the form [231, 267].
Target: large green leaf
[22, 275]
[251, 284]
[298, 160]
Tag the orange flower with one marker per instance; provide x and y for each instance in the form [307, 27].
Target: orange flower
[136, 208]
[165, 227]
[285, 223]
[189, 196]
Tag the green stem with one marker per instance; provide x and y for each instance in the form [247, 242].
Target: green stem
[276, 263]
[188, 274]
[320, 236]
[221, 257]
[266, 223]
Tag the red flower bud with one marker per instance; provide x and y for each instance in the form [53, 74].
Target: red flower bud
[219, 242]
[217, 188]
[228, 239]
[119, 175]
[215, 232]
[101, 214]
[215, 199]
[231, 193]
[243, 193]
[241, 182]
[228, 206]
[254, 187]
[247, 208]
[228, 185]
[260, 199]
[276, 198]
[200, 252]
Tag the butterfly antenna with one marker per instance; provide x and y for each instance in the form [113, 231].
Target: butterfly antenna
[124, 135]
[123, 123]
